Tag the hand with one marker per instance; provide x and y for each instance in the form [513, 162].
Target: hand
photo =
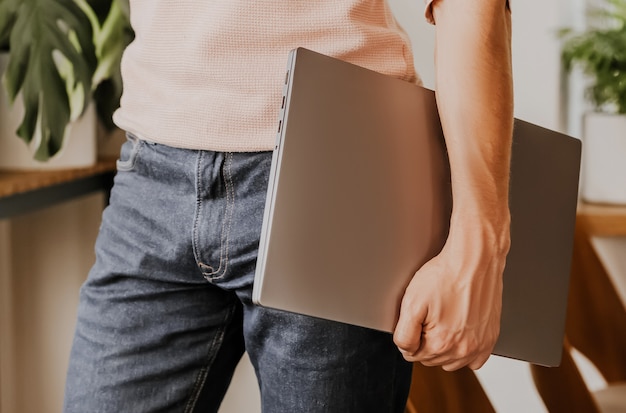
[450, 313]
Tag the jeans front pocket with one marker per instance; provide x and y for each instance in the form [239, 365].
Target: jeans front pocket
[213, 220]
[128, 153]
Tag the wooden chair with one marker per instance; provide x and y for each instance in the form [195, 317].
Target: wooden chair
[434, 390]
[596, 327]
[563, 389]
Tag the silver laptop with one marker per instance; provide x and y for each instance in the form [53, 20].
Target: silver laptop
[359, 199]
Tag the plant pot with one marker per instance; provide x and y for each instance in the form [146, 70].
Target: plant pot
[603, 177]
[110, 142]
[79, 148]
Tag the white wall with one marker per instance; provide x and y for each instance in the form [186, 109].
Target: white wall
[535, 53]
[243, 395]
[44, 258]
[7, 365]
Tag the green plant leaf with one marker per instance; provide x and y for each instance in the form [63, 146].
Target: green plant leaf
[101, 8]
[600, 51]
[8, 14]
[49, 40]
[111, 40]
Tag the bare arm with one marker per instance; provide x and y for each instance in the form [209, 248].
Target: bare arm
[450, 314]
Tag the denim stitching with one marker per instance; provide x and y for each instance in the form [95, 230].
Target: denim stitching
[196, 240]
[227, 223]
[204, 371]
[208, 271]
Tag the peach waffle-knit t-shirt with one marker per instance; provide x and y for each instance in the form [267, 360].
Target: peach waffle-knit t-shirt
[208, 74]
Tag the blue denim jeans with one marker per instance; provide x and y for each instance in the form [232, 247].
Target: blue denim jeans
[166, 311]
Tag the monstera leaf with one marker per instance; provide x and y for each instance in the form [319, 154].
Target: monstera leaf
[112, 37]
[52, 61]
[7, 19]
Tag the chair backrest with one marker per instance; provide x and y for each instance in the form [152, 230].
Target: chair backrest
[596, 315]
[596, 326]
[563, 388]
[434, 390]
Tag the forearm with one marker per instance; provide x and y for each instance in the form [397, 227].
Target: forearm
[475, 98]
[450, 312]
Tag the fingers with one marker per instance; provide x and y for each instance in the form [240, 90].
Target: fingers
[474, 362]
[479, 361]
[407, 337]
[408, 332]
[450, 351]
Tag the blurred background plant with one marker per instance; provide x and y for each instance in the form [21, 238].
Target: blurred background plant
[600, 51]
[62, 56]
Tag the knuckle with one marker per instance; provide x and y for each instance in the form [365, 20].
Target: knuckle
[404, 343]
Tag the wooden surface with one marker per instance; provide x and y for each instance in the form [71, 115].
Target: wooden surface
[563, 389]
[596, 317]
[602, 220]
[23, 192]
[434, 390]
[18, 182]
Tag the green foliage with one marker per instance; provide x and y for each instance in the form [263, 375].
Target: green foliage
[8, 15]
[60, 51]
[46, 36]
[114, 35]
[601, 53]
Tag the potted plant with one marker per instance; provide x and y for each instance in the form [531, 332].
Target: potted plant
[60, 56]
[600, 51]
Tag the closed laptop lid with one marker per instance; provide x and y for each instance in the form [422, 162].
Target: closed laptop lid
[359, 198]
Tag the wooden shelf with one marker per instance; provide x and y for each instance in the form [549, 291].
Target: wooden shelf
[22, 192]
[602, 220]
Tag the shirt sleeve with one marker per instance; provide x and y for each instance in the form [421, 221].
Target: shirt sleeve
[429, 10]
[428, 13]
